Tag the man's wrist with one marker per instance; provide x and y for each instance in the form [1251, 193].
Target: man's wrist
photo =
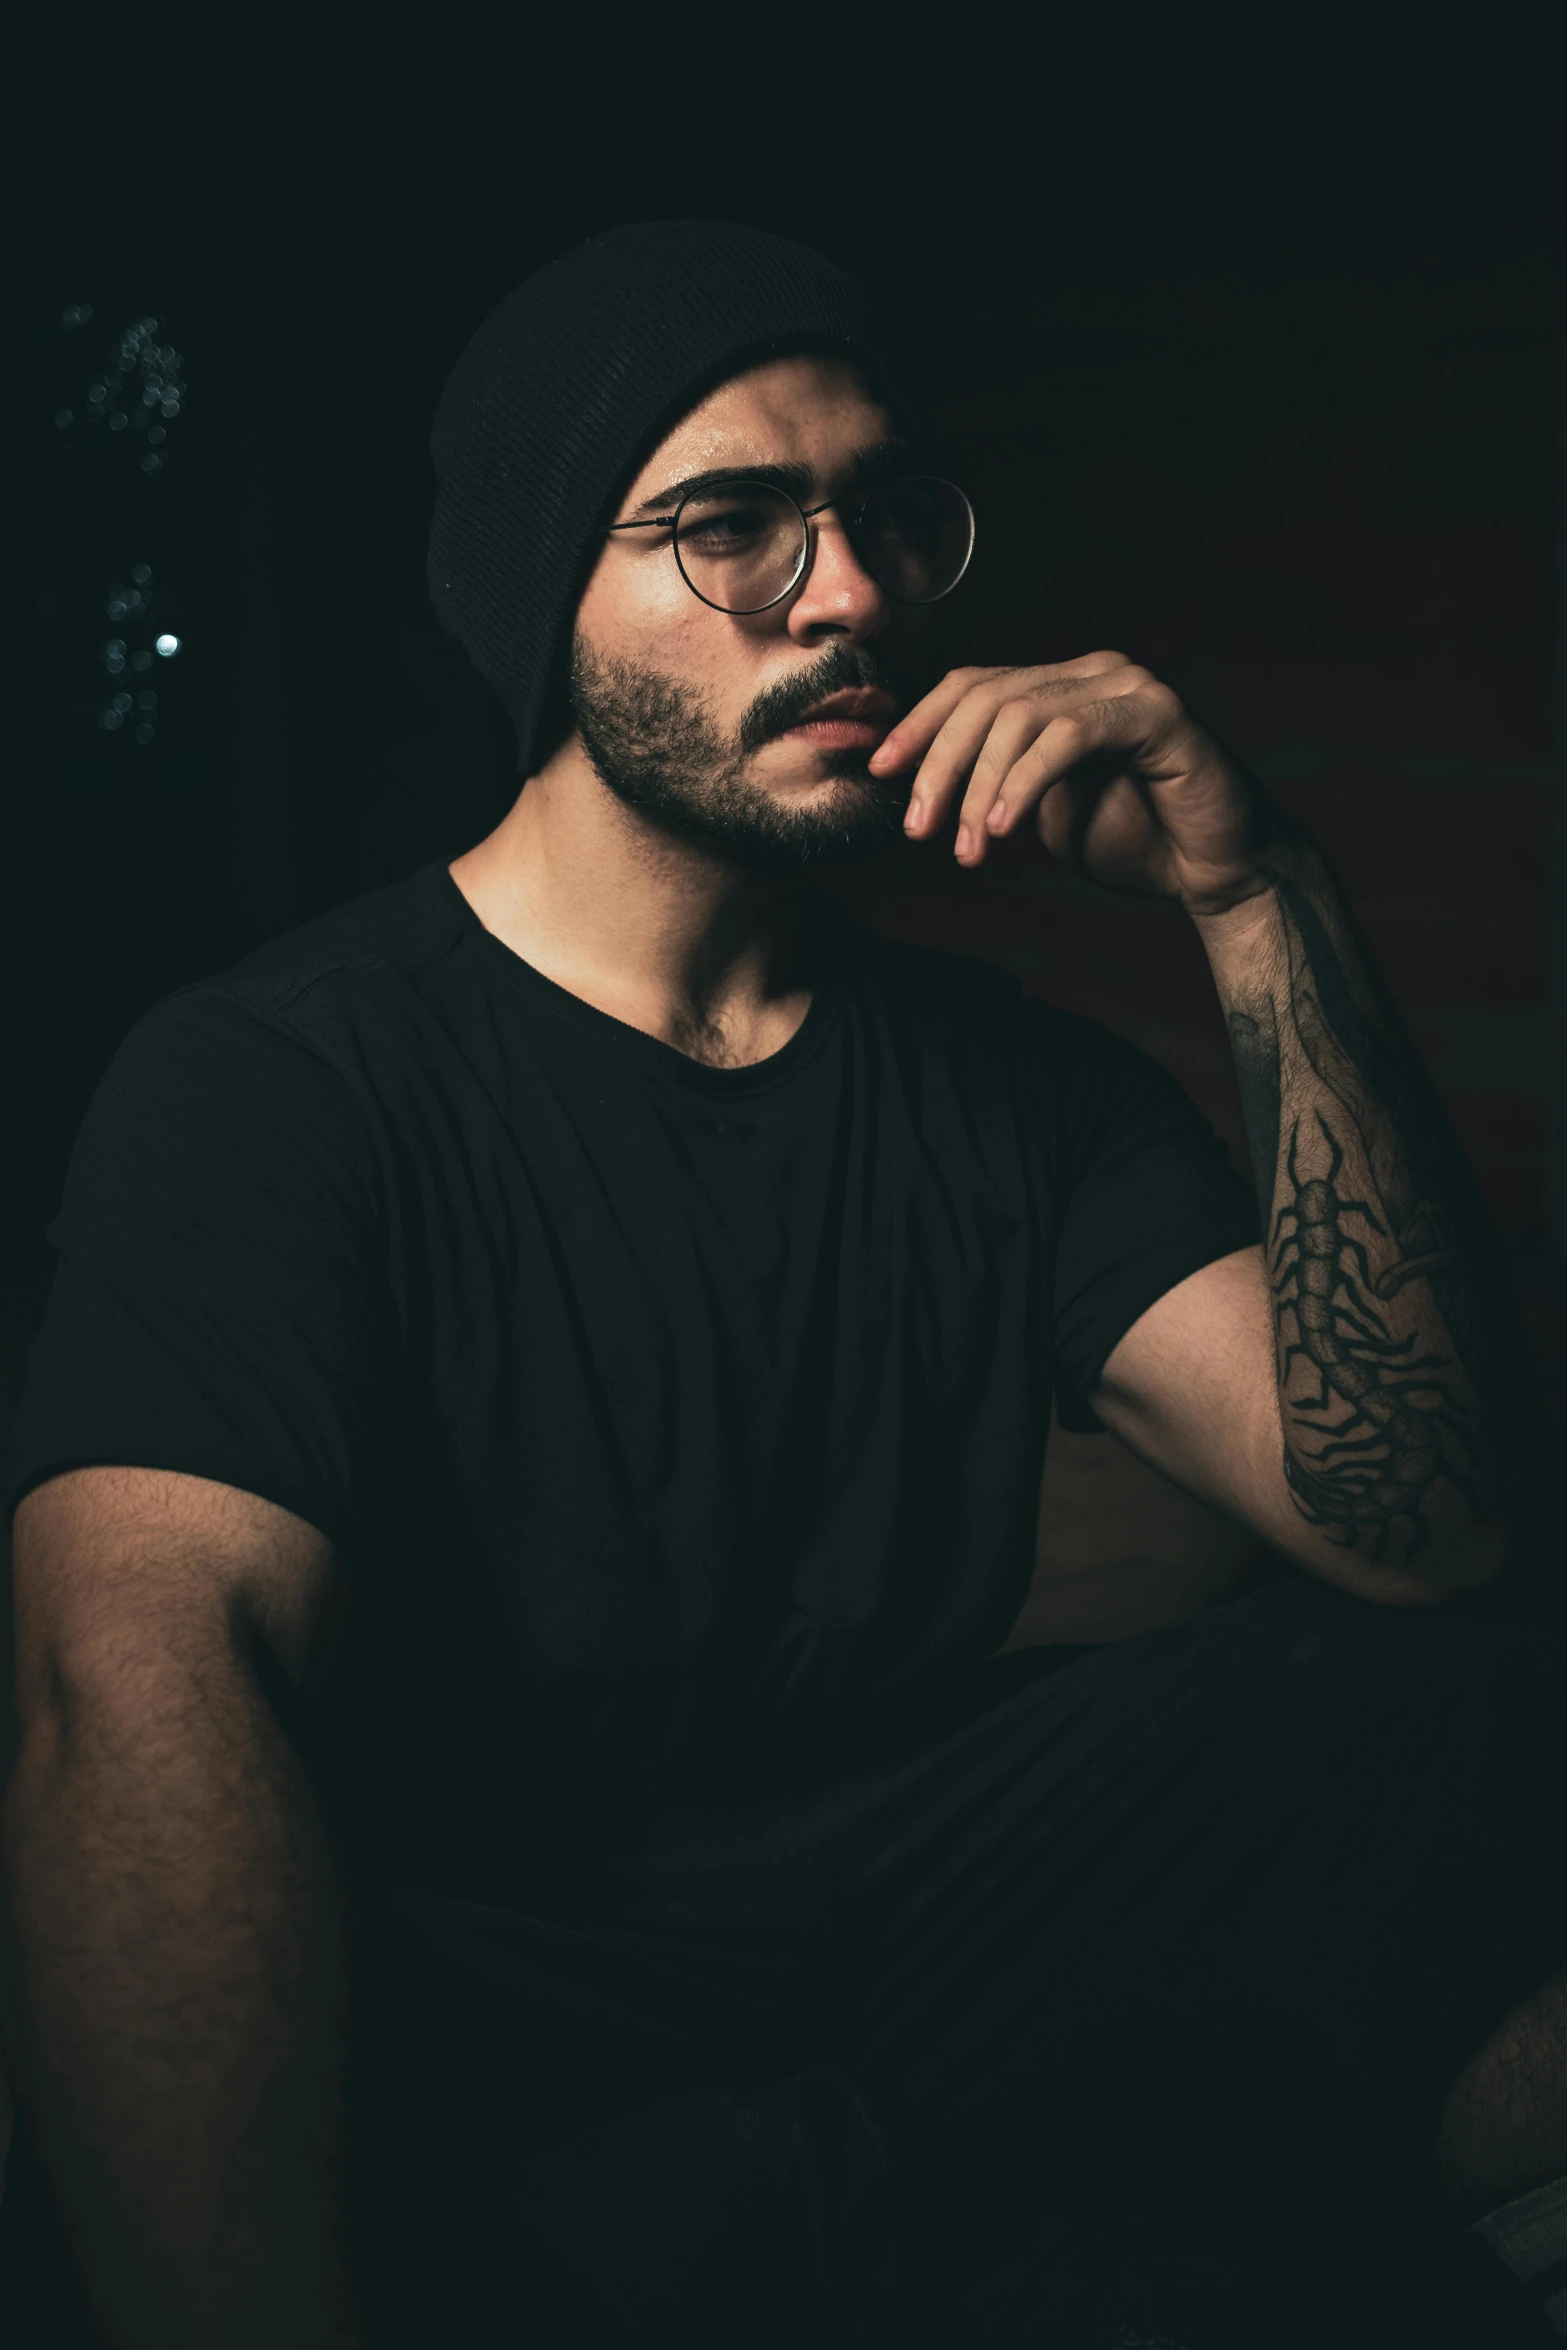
[1247, 900]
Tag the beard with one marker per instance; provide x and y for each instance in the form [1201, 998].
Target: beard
[652, 742]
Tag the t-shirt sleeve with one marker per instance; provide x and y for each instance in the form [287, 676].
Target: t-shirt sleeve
[217, 1305]
[1145, 1193]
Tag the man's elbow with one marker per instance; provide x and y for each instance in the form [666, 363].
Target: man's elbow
[1442, 1569]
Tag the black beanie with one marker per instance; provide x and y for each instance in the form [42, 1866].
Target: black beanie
[567, 387]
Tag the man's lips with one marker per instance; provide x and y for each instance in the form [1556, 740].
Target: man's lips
[855, 720]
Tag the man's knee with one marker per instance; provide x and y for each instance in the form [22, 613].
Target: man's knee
[1503, 2129]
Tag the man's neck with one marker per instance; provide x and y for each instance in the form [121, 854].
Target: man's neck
[655, 931]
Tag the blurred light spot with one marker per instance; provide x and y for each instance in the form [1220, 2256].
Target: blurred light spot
[144, 732]
[167, 646]
[152, 461]
[63, 417]
[140, 661]
[121, 702]
[117, 421]
[114, 650]
[157, 434]
[141, 573]
[76, 314]
[110, 718]
[114, 663]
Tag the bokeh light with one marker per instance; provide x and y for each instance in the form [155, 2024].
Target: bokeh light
[139, 382]
[135, 391]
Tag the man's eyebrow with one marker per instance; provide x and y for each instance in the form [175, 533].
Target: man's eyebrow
[868, 464]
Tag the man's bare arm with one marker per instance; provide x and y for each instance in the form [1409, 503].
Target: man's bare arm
[1341, 1387]
[1392, 1448]
[175, 1964]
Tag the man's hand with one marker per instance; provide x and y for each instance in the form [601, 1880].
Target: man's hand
[1122, 784]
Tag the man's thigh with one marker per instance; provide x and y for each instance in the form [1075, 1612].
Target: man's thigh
[1196, 1881]
[583, 2125]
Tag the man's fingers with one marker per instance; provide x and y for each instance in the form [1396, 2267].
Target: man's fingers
[1015, 726]
[1116, 724]
[992, 719]
[919, 727]
[914, 733]
[947, 763]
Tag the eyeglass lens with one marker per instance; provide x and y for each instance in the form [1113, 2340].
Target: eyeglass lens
[742, 545]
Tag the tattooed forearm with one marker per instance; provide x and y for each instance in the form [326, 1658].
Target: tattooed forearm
[1388, 1371]
[1363, 1451]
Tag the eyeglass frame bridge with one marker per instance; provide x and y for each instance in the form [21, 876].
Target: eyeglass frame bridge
[671, 522]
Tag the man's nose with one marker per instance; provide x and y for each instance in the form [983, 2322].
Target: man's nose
[838, 596]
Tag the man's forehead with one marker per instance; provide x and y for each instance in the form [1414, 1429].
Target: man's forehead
[805, 411]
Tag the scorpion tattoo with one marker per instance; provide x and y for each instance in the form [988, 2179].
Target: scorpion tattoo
[1382, 1412]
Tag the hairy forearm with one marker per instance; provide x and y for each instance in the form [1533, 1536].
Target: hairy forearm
[1391, 1384]
[175, 1983]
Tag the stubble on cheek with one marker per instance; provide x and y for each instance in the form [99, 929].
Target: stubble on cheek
[652, 740]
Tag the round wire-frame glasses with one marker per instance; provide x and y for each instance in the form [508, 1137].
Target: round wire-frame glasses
[942, 506]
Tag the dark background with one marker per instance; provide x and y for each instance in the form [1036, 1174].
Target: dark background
[1251, 357]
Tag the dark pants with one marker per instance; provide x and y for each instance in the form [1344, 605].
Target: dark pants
[1174, 1944]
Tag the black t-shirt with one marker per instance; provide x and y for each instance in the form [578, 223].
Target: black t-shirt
[658, 1410]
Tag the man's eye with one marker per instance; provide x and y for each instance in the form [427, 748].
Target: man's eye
[898, 517]
[732, 526]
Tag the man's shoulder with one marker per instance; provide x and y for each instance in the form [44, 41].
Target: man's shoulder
[407, 926]
[314, 982]
[971, 1011]
[294, 1015]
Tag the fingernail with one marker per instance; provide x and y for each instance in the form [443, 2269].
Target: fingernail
[913, 818]
[997, 817]
[964, 842]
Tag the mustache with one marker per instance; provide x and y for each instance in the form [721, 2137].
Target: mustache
[784, 705]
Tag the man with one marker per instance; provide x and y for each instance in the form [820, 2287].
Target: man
[521, 1830]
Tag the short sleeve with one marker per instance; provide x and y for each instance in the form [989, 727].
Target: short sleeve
[218, 1302]
[1145, 1192]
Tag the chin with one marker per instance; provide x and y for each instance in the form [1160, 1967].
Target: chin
[822, 774]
